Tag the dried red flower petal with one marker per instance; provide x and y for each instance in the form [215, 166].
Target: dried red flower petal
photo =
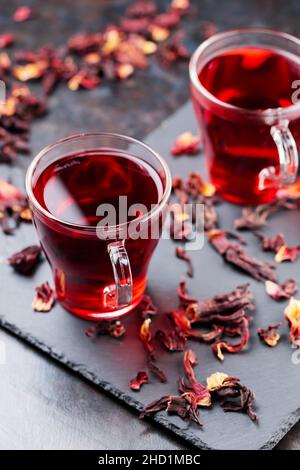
[26, 260]
[6, 40]
[155, 406]
[124, 71]
[23, 13]
[242, 398]
[44, 298]
[196, 186]
[281, 291]
[186, 144]
[182, 254]
[145, 335]
[167, 20]
[271, 243]
[219, 346]
[147, 308]
[286, 253]
[198, 393]
[182, 322]
[113, 328]
[158, 34]
[236, 255]
[180, 4]
[270, 335]
[173, 341]
[252, 219]
[153, 367]
[141, 379]
[292, 316]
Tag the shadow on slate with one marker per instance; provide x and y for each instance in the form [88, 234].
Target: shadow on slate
[111, 363]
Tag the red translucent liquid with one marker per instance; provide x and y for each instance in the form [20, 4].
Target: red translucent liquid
[237, 149]
[71, 189]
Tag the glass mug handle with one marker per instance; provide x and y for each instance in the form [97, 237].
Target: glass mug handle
[288, 159]
[122, 273]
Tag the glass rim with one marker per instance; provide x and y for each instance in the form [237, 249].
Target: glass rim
[267, 113]
[87, 228]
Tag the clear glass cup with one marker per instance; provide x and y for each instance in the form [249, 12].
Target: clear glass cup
[100, 272]
[250, 153]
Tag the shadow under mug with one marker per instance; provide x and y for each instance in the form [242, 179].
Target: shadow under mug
[99, 273]
[250, 153]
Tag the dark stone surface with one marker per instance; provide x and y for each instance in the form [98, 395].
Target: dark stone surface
[135, 107]
[110, 364]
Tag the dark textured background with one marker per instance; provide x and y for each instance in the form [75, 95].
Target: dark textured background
[42, 406]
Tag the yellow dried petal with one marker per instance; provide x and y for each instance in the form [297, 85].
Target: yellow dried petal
[159, 34]
[216, 381]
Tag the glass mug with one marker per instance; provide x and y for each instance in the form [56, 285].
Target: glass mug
[242, 83]
[99, 270]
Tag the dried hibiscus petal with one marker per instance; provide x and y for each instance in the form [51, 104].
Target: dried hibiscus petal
[222, 307]
[236, 255]
[196, 186]
[44, 298]
[23, 13]
[145, 335]
[219, 346]
[6, 40]
[156, 406]
[114, 328]
[241, 397]
[271, 243]
[158, 33]
[181, 321]
[174, 341]
[180, 4]
[186, 144]
[147, 307]
[25, 261]
[285, 290]
[270, 335]
[141, 379]
[286, 253]
[216, 381]
[153, 367]
[292, 316]
[253, 219]
[197, 393]
[182, 254]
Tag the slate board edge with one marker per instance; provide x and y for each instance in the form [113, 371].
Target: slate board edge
[106, 386]
[183, 434]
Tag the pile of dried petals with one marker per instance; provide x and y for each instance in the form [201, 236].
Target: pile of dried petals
[223, 315]
[193, 395]
[86, 61]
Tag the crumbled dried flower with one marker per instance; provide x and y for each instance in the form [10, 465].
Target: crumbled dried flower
[252, 219]
[44, 298]
[270, 334]
[241, 397]
[281, 291]
[186, 144]
[26, 260]
[271, 243]
[141, 379]
[292, 316]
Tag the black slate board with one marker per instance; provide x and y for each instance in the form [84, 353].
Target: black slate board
[110, 363]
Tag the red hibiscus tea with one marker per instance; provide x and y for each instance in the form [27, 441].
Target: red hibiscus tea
[88, 270]
[247, 118]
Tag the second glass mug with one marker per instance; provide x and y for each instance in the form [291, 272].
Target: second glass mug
[250, 153]
[98, 277]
